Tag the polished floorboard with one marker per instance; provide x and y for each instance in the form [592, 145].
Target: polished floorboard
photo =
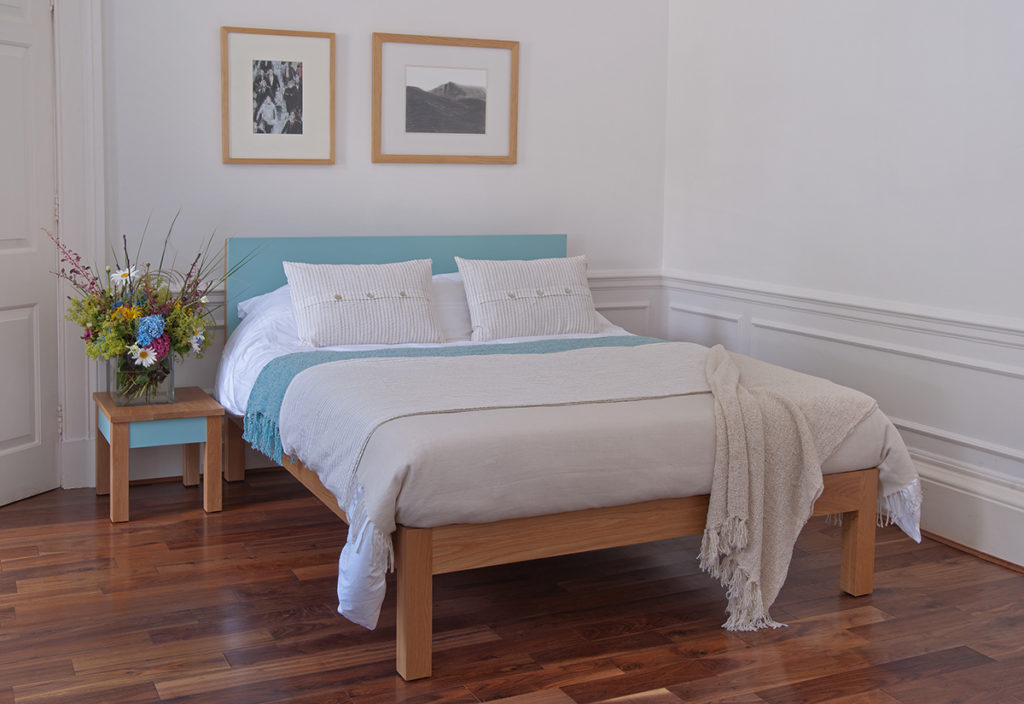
[181, 606]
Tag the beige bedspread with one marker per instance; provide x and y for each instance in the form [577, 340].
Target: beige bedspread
[484, 464]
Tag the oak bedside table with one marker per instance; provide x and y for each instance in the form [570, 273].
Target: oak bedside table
[194, 417]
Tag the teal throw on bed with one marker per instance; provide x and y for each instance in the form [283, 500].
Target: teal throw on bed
[263, 409]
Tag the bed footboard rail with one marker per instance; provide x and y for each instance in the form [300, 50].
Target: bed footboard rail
[421, 553]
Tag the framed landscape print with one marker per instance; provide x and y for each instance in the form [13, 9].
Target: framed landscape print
[277, 96]
[444, 100]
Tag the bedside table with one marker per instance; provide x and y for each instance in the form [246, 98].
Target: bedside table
[193, 418]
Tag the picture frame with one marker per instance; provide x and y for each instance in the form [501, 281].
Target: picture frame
[277, 96]
[444, 100]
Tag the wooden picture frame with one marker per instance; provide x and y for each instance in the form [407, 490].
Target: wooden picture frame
[277, 96]
[444, 100]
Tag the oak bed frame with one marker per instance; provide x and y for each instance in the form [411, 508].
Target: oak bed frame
[421, 553]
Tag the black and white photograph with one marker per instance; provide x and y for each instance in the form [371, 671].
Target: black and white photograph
[446, 100]
[276, 97]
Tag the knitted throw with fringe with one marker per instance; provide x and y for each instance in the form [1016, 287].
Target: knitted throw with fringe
[774, 428]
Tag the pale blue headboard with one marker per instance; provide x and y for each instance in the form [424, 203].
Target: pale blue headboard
[263, 271]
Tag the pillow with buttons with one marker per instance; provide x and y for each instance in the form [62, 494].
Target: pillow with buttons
[520, 298]
[362, 304]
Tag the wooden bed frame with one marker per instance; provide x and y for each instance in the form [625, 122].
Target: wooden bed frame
[421, 553]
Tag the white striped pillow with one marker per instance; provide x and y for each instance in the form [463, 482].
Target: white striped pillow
[520, 298]
[362, 304]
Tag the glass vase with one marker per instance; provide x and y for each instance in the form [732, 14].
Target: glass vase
[132, 384]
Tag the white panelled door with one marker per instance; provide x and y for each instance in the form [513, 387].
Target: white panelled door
[28, 291]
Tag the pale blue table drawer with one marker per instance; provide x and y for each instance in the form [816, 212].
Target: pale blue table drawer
[153, 433]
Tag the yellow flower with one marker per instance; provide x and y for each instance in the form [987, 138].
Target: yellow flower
[129, 313]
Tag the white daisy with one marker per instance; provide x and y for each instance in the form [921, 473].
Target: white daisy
[143, 356]
[123, 275]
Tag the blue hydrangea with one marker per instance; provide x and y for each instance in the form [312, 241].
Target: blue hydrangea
[150, 328]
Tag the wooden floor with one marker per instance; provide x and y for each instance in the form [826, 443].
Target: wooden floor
[180, 606]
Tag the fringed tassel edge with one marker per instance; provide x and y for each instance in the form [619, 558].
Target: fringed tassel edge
[263, 434]
[728, 536]
[746, 604]
[901, 506]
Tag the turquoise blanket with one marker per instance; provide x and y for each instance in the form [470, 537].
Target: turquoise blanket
[263, 409]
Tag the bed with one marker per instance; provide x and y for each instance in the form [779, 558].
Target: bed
[423, 548]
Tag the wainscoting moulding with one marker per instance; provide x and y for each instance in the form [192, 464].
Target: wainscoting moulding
[629, 299]
[974, 327]
[974, 505]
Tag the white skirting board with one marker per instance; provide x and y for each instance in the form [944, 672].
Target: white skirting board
[77, 463]
[973, 510]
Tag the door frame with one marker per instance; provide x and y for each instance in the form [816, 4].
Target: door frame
[81, 194]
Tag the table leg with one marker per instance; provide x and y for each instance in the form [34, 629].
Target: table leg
[190, 464]
[212, 464]
[102, 465]
[118, 467]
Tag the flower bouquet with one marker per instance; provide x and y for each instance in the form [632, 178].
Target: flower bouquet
[140, 318]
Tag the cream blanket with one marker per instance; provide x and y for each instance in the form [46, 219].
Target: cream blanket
[332, 411]
[774, 428]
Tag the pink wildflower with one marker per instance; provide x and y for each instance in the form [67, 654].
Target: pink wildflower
[79, 275]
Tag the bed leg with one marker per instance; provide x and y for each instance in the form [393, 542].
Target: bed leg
[857, 570]
[234, 467]
[414, 625]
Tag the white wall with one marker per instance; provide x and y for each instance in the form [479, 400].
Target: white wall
[591, 126]
[863, 147]
[843, 196]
